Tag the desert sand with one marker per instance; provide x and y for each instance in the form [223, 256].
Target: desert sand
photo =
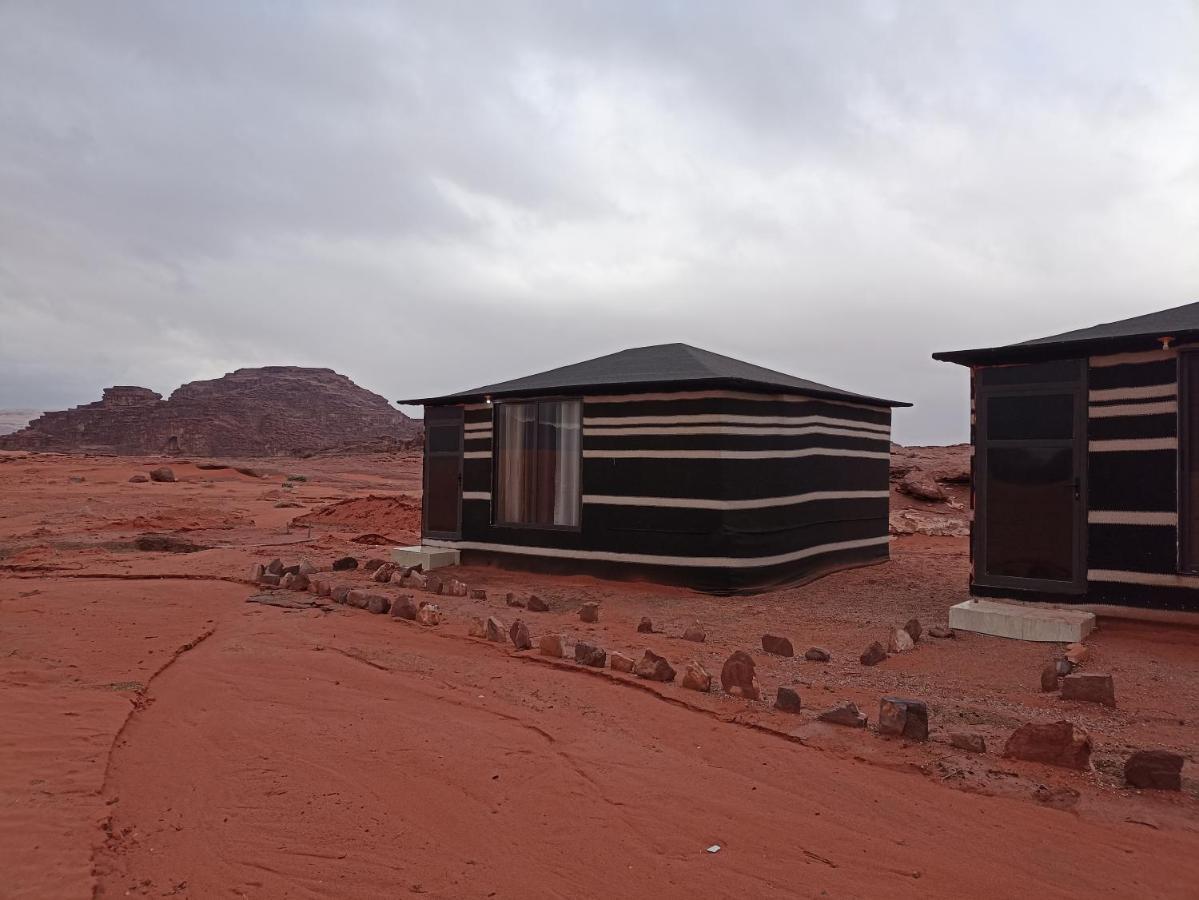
[163, 737]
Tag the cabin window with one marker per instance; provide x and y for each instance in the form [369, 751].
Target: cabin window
[538, 462]
[1188, 459]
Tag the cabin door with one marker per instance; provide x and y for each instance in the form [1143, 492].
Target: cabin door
[443, 473]
[1030, 477]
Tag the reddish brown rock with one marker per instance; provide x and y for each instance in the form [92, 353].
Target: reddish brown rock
[1089, 688]
[1158, 770]
[912, 627]
[589, 612]
[138, 479]
[619, 662]
[162, 473]
[787, 700]
[737, 676]
[519, 633]
[917, 484]
[940, 631]
[478, 594]
[536, 604]
[300, 582]
[404, 607]
[257, 572]
[1049, 678]
[344, 563]
[512, 599]
[874, 654]
[416, 580]
[653, 667]
[373, 564]
[1077, 654]
[495, 630]
[269, 580]
[695, 632]
[477, 627]
[455, 588]
[1053, 743]
[307, 568]
[817, 654]
[428, 614]
[382, 574]
[378, 604]
[845, 714]
[552, 645]
[903, 718]
[590, 655]
[645, 626]
[971, 743]
[251, 412]
[779, 646]
[339, 593]
[696, 678]
[275, 567]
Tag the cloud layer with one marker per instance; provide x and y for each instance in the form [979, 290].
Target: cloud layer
[430, 196]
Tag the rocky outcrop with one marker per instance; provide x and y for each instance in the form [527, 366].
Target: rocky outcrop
[275, 410]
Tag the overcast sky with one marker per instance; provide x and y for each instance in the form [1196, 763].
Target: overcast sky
[431, 196]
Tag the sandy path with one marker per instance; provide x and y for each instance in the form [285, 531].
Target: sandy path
[303, 755]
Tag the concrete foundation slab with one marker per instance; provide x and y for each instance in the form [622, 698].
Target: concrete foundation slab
[1022, 623]
[428, 558]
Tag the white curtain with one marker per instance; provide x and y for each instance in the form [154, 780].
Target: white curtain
[566, 476]
[538, 469]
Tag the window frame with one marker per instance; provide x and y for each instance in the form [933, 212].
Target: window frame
[497, 449]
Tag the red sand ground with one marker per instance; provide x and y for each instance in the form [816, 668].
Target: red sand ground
[163, 738]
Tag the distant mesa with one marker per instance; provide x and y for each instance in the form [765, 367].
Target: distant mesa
[270, 411]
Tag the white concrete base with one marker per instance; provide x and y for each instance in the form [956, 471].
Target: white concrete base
[1020, 622]
[427, 558]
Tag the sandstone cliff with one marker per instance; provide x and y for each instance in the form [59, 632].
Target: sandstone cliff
[275, 410]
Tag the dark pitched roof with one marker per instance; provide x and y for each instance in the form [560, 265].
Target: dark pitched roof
[1139, 332]
[661, 366]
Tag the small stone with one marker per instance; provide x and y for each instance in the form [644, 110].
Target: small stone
[428, 614]
[478, 594]
[1077, 654]
[645, 626]
[371, 564]
[495, 630]
[317, 586]
[344, 563]
[456, 588]
[357, 599]
[268, 579]
[653, 667]
[737, 676]
[589, 611]
[339, 593]
[912, 627]
[817, 654]
[779, 646]
[900, 641]
[478, 628]
[162, 473]
[590, 655]
[300, 582]
[787, 700]
[519, 633]
[552, 645]
[139, 479]
[291, 570]
[619, 662]
[695, 632]
[257, 572]
[1158, 770]
[307, 568]
[1053, 743]
[404, 607]
[1049, 678]
[845, 714]
[971, 743]
[1063, 666]
[940, 631]
[512, 599]
[285, 581]
[275, 567]
[874, 654]
[1089, 688]
[378, 604]
[696, 678]
[417, 580]
[903, 718]
[382, 574]
[536, 604]
[433, 583]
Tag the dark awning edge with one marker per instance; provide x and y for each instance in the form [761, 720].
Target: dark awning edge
[1021, 353]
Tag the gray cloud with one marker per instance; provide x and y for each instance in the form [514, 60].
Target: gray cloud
[430, 196]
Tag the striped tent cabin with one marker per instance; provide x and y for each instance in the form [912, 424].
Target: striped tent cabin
[1086, 464]
[666, 463]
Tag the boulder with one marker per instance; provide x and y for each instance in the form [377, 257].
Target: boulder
[653, 667]
[589, 611]
[817, 654]
[590, 655]
[787, 700]
[940, 631]
[1049, 678]
[404, 607]
[357, 599]
[695, 632]
[900, 641]
[339, 593]
[873, 655]
[1154, 769]
[416, 580]
[552, 645]
[919, 485]
[378, 604]
[275, 567]
[1089, 688]
[344, 563]
[478, 594]
[1053, 743]
[371, 564]
[139, 479]
[971, 743]
[645, 626]
[495, 630]
[912, 627]
[434, 584]
[845, 714]
[779, 646]
[428, 614]
[696, 678]
[737, 676]
[903, 718]
[162, 473]
[519, 633]
[513, 600]
[536, 604]
[619, 662]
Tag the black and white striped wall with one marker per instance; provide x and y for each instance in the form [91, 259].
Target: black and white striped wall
[721, 490]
